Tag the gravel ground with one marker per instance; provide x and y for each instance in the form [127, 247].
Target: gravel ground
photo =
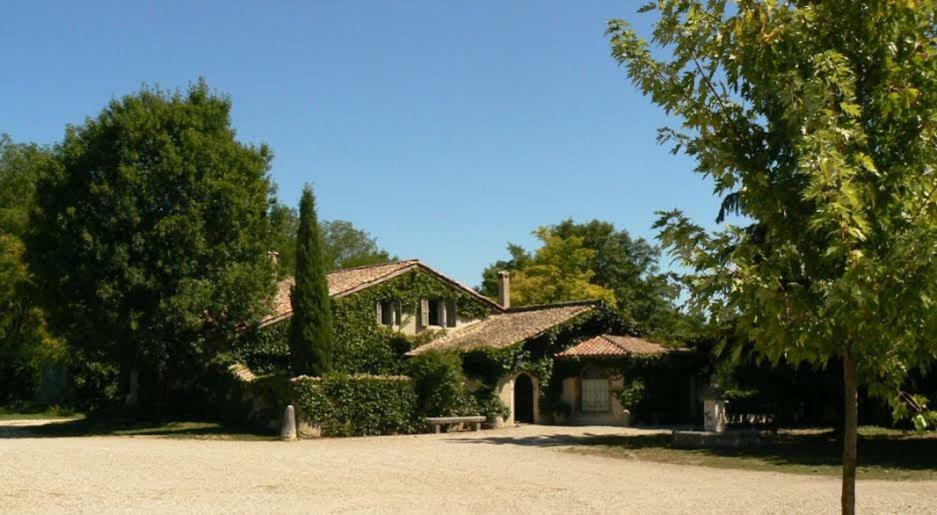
[515, 469]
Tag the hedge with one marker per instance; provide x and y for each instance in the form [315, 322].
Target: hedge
[252, 400]
[344, 405]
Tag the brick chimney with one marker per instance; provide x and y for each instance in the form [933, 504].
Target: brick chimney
[504, 289]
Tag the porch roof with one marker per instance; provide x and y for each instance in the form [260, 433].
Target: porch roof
[614, 346]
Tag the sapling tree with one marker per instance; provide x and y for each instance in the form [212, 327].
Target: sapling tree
[816, 121]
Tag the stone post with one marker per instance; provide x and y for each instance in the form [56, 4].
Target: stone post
[288, 429]
[714, 415]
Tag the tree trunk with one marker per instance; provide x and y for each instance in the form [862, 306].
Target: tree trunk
[850, 406]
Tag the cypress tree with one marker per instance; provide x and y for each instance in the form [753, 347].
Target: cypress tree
[311, 326]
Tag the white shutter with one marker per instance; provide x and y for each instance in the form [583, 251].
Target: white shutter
[424, 312]
[595, 395]
[450, 313]
[380, 314]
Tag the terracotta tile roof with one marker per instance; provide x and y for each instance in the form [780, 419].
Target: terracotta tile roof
[508, 328]
[609, 345]
[350, 280]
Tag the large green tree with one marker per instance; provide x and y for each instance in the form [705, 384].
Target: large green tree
[150, 236]
[816, 120]
[311, 325]
[24, 341]
[343, 244]
[558, 271]
[626, 266]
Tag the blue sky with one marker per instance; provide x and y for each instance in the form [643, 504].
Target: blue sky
[445, 129]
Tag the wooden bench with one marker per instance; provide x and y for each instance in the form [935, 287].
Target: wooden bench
[438, 422]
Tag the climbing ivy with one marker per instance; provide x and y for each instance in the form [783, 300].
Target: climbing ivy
[345, 405]
[536, 356]
[361, 345]
[264, 350]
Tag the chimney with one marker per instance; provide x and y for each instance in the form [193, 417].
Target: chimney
[274, 257]
[504, 289]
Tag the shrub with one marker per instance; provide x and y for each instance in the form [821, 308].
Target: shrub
[251, 400]
[440, 384]
[345, 405]
[491, 406]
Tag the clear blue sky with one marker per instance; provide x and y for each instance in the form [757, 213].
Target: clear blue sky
[445, 129]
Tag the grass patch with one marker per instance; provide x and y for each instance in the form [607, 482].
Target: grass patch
[32, 411]
[163, 429]
[883, 453]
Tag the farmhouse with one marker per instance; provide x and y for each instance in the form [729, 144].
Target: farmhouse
[560, 363]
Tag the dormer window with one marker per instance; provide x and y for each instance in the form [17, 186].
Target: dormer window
[435, 306]
[438, 312]
[388, 313]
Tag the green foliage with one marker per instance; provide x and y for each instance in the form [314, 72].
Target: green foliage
[490, 405]
[825, 144]
[150, 234]
[284, 224]
[343, 244]
[625, 266]
[363, 346]
[632, 394]
[520, 258]
[24, 342]
[357, 405]
[249, 400]
[557, 272]
[536, 357]
[310, 341]
[346, 246]
[440, 383]
[264, 350]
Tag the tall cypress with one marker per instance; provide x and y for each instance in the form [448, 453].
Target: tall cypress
[311, 326]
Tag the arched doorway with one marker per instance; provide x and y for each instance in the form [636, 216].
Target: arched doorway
[523, 399]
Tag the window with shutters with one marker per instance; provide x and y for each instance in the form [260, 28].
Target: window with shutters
[388, 313]
[435, 315]
[594, 391]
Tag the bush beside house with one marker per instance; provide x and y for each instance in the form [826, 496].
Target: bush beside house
[344, 405]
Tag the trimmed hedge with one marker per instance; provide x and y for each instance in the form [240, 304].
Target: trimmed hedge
[255, 401]
[344, 405]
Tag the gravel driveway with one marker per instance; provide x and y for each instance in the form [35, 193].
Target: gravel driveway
[516, 469]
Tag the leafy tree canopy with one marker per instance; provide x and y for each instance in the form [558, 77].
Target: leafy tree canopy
[343, 244]
[151, 232]
[557, 271]
[24, 341]
[816, 120]
[612, 260]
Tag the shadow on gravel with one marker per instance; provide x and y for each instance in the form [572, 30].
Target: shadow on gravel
[99, 427]
[552, 440]
[898, 450]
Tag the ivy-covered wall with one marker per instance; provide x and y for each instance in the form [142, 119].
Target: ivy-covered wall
[535, 357]
[362, 346]
[344, 405]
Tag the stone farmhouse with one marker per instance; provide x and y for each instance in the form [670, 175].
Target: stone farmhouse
[557, 363]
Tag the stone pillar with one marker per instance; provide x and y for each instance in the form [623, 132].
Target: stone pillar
[714, 415]
[288, 429]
